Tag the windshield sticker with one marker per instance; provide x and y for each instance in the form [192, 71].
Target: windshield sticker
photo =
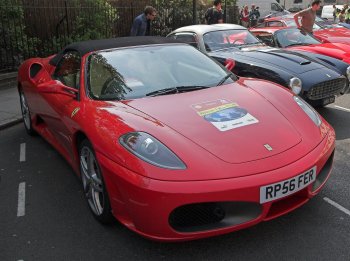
[224, 115]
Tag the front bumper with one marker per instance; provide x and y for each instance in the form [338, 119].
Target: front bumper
[147, 206]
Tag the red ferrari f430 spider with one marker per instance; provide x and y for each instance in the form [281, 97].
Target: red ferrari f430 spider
[169, 142]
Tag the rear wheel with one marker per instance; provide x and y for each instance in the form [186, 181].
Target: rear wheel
[26, 114]
[93, 184]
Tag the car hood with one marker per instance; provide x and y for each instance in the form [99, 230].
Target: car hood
[290, 61]
[233, 123]
[339, 51]
[334, 35]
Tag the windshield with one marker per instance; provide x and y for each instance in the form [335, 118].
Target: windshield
[291, 23]
[291, 37]
[217, 40]
[135, 72]
[326, 23]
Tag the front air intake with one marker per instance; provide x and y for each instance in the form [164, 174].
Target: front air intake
[212, 215]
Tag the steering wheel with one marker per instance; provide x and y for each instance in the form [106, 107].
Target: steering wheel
[241, 41]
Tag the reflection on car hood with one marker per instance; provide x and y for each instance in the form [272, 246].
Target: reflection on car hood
[340, 51]
[340, 35]
[231, 122]
[290, 61]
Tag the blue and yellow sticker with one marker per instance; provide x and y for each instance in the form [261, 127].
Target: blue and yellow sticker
[224, 115]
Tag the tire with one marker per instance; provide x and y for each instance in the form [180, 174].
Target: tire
[27, 119]
[93, 185]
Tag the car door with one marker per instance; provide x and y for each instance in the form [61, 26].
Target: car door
[59, 109]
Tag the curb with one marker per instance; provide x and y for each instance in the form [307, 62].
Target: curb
[8, 80]
[10, 123]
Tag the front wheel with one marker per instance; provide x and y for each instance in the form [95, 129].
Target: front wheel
[93, 184]
[27, 119]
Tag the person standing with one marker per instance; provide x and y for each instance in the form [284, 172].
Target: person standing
[308, 17]
[245, 16]
[347, 16]
[254, 15]
[342, 16]
[214, 14]
[334, 13]
[142, 23]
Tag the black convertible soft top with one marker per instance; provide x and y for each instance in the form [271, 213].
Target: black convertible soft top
[95, 45]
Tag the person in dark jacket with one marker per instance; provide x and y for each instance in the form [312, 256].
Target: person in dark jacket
[254, 15]
[142, 23]
[214, 14]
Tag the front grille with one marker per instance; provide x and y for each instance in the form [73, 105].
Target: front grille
[327, 89]
[197, 215]
[212, 215]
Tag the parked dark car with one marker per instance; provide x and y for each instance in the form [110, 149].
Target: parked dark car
[234, 46]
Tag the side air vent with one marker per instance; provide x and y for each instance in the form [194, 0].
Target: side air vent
[34, 69]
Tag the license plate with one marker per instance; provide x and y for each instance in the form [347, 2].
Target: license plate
[328, 100]
[287, 187]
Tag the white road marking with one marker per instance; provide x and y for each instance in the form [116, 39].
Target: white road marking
[341, 108]
[335, 204]
[22, 154]
[21, 199]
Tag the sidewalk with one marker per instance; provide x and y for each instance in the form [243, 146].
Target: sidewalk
[10, 108]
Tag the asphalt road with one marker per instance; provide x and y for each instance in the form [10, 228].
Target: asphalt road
[54, 223]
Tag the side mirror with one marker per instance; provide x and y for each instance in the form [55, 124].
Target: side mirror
[57, 87]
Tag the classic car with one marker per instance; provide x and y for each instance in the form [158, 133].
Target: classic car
[323, 32]
[294, 39]
[164, 137]
[312, 78]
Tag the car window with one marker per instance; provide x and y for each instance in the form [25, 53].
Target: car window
[260, 25]
[132, 73]
[68, 70]
[291, 23]
[275, 24]
[186, 38]
[291, 37]
[266, 38]
[217, 40]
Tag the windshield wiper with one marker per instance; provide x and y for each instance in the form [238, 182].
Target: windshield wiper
[177, 89]
[163, 91]
[295, 44]
[224, 79]
[191, 87]
[249, 44]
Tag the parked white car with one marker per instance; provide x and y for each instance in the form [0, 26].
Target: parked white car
[327, 11]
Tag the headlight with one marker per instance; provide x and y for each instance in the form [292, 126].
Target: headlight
[150, 150]
[308, 110]
[295, 84]
[348, 72]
